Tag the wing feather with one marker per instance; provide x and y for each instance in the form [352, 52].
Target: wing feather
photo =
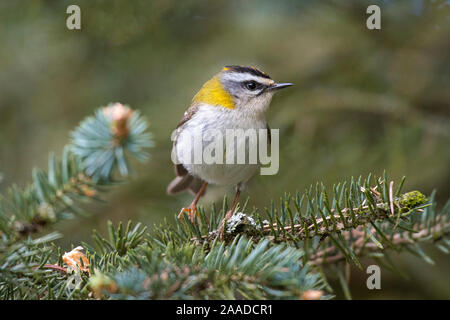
[183, 180]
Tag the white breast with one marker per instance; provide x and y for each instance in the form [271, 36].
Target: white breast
[217, 118]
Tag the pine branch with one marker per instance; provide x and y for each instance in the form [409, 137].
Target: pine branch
[359, 220]
[169, 265]
[346, 220]
[99, 145]
[361, 247]
[101, 141]
[239, 270]
[315, 218]
[87, 166]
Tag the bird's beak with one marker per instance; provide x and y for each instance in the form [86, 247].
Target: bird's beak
[278, 86]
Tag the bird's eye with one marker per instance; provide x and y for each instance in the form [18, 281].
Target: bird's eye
[251, 85]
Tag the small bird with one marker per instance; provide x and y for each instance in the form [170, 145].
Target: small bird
[235, 98]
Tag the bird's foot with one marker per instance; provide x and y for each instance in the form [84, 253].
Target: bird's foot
[191, 212]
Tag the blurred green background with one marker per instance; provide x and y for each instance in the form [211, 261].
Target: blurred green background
[363, 100]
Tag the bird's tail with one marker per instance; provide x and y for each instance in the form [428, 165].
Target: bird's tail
[185, 183]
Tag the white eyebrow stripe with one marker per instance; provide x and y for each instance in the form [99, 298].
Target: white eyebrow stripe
[237, 76]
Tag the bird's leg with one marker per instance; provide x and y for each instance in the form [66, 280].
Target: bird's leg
[192, 209]
[229, 213]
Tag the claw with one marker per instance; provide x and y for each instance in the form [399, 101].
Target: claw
[191, 211]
